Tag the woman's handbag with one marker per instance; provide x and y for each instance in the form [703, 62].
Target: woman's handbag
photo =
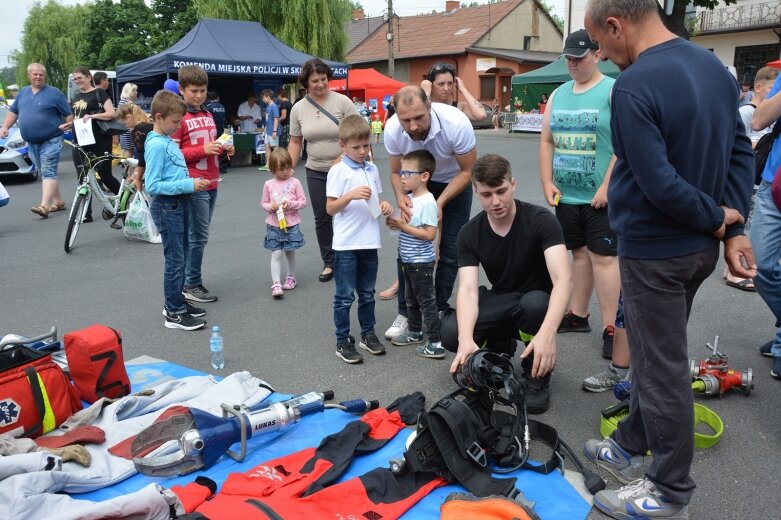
[111, 127]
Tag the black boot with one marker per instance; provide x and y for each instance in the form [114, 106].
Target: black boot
[537, 388]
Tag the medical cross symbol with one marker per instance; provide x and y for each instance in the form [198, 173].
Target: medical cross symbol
[9, 412]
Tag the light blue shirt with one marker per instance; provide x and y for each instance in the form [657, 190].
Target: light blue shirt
[166, 170]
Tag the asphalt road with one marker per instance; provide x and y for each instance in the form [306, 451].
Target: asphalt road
[290, 343]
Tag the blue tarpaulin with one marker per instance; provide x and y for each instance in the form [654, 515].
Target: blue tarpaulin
[554, 496]
[226, 47]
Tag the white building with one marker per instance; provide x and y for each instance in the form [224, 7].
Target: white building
[744, 34]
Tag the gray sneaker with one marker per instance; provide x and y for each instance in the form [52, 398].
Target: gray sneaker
[603, 381]
[198, 294]
[606, 453]
[430, 350]
[407, 339]
[639, 499]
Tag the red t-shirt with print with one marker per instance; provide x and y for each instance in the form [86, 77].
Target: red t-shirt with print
[196, 129]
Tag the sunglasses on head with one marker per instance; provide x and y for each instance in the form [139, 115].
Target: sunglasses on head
[440, 68]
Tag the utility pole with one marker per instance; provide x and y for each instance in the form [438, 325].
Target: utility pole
[390, 39]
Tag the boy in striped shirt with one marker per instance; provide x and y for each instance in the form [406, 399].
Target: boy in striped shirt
[416, 249]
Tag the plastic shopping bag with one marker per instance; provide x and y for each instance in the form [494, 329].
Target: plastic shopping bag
[5, 198]
[138, 221]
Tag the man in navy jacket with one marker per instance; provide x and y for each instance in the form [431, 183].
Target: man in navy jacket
[681, 184]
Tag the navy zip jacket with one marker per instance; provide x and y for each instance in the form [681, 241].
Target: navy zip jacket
[682, 153]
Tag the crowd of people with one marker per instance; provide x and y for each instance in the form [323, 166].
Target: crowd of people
[644, 191]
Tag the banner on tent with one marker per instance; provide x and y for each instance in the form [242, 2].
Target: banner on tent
[221, 67]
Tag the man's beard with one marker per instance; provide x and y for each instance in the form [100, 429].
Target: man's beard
[420, 135]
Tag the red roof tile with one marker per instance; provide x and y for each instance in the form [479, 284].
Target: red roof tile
[433, 34]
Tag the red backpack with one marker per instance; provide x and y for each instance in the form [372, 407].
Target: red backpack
[96, 363]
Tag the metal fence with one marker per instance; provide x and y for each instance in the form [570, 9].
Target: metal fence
[739, 18]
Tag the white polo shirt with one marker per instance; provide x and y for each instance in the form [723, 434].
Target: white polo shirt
[355, 227]
[451, 134]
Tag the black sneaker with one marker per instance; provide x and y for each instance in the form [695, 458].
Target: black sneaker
[198, 293]
[345, 349]
[182, 320]
[775, 372]
[371, 343]
[607, 342]
[537, 389]
[767, 349]
[574, 323]
[195, 312]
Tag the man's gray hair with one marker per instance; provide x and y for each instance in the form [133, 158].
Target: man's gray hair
[32, 66]
[632, 10]
[407, 95]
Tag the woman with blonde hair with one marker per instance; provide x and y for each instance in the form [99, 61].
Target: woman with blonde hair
[128, 95]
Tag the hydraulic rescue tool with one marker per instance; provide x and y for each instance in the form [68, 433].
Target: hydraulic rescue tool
[202, 437]
[713, 375]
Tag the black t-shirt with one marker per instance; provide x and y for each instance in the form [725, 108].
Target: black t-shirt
[515, 262]
[390, 111]
[89, 103]
[285, 105]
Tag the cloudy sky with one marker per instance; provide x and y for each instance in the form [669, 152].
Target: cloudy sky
[15, 13]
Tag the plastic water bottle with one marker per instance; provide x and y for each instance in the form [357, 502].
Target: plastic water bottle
[216, 346]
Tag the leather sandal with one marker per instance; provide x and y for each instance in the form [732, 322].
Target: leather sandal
[41, 210]
[57, 207]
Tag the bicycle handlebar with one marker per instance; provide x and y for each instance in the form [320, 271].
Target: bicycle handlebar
[128, 161]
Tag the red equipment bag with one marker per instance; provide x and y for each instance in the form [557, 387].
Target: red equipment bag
[96, 364]
[34, 392]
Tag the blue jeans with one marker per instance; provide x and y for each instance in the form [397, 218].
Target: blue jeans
[170, 214]
[766, 240]
[354, 272]
[201, 210]
[454, 215]
[46, 155]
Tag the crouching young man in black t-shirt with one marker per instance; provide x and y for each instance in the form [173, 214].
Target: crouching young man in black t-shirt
[521, 248]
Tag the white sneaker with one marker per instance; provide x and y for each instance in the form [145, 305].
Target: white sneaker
[398, 328]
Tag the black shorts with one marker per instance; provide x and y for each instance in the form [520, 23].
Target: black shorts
[584, 225]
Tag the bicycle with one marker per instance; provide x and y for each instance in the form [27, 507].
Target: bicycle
[114, 206]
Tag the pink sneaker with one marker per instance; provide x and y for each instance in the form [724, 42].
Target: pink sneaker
[276, 290]
[290, 283]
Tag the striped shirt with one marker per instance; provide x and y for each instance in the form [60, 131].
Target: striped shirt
[424, 213]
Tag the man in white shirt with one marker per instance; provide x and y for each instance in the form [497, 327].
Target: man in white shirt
[250, 114]
[447, 134]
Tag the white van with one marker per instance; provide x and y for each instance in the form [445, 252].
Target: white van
[113, 88]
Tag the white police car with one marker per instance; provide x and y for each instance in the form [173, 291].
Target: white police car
[14, 156]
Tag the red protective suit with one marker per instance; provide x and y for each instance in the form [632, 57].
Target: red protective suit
[298, 486]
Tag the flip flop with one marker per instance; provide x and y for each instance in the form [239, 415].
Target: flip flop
[744, 285]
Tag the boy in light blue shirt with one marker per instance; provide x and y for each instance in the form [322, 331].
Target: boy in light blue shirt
[169, 184]
[416, 250]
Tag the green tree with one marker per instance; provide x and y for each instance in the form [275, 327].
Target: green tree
[677, 21]
[172, 20]
[51, 36]
[8, 76]
[312, 26]
[558, 20]
[116, 33]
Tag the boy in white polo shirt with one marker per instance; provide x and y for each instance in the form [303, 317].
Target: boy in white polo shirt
[352, 193]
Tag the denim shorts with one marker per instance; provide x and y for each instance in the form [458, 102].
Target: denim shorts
[276, 239]
[46, 156]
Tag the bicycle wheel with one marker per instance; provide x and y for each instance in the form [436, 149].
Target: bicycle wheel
[74, 221]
